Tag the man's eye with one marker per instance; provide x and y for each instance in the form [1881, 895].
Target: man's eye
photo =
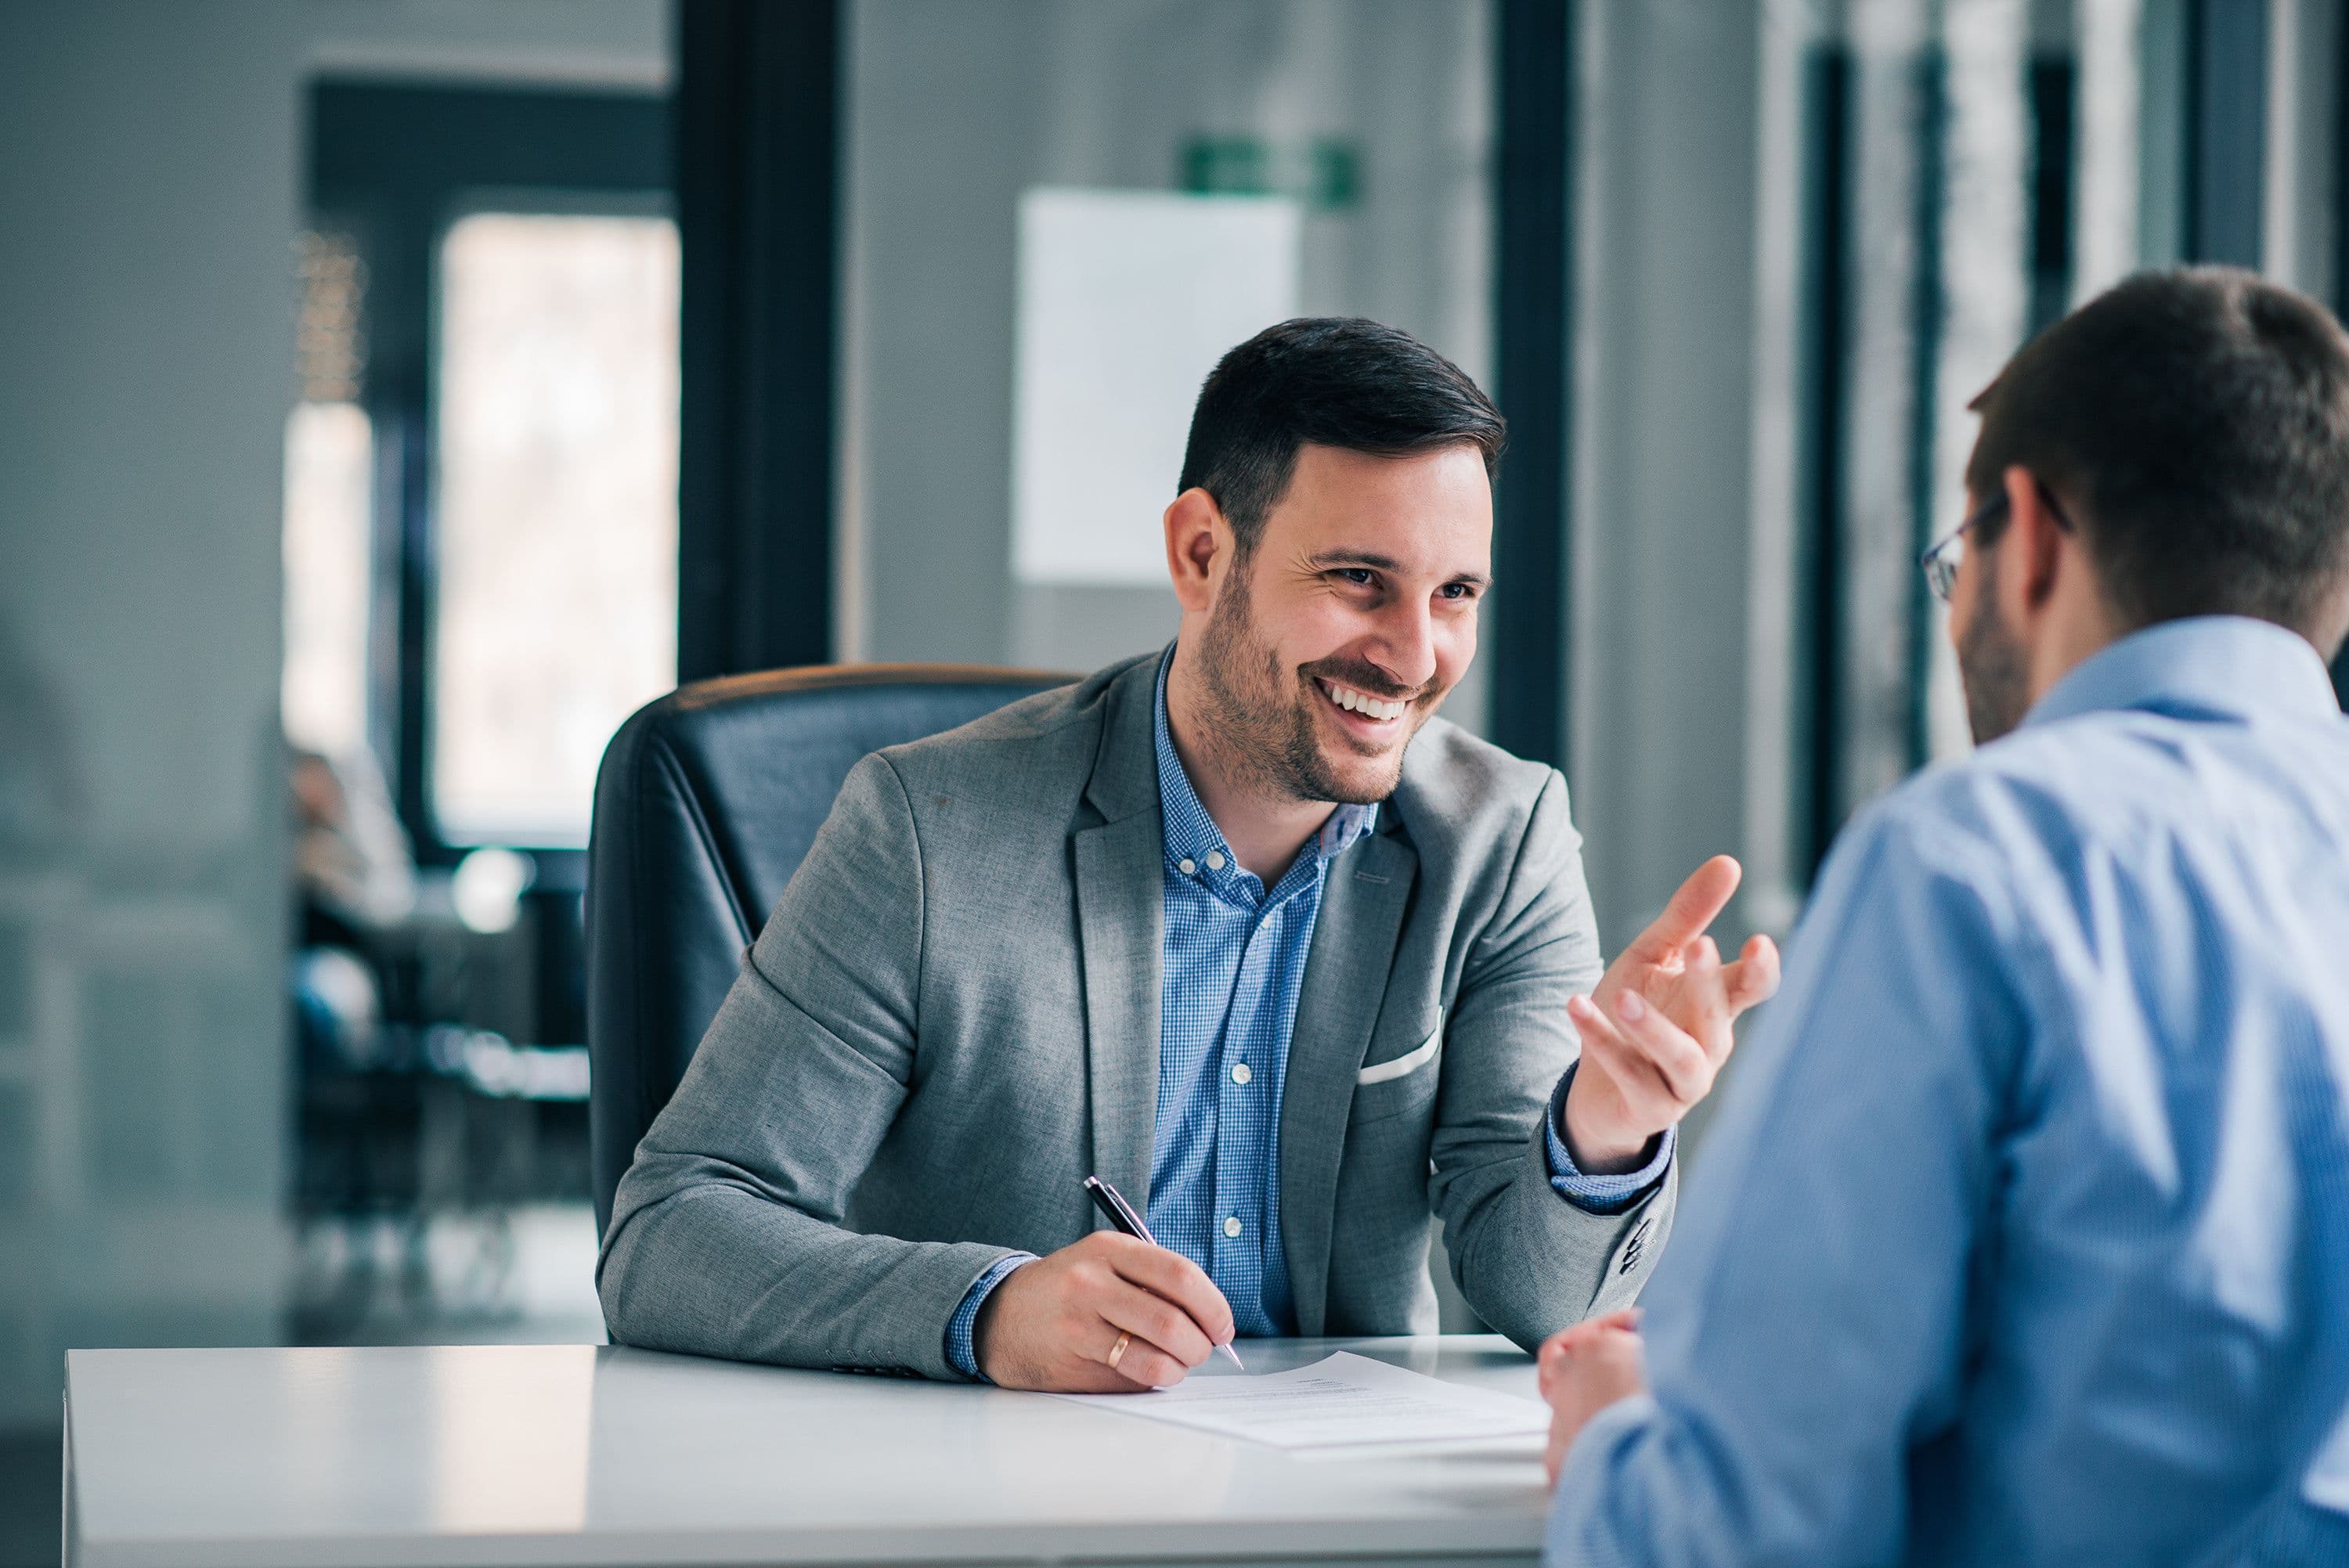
[1359, 577]
[1457, 591]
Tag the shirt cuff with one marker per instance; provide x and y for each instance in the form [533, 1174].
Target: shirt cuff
[960, 1352]
[1598, 1194]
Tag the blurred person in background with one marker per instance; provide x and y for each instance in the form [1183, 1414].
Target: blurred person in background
[352, 863]
[2025, 1238]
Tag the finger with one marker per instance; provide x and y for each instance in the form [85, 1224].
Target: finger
[1568, 1343]
[1702, 983]
[1703, 956]
[1566, 1340]
[1692, 909]
[1621, 1356]
[1702, 1009]
[1679, 1060]
[1642, 1083]
[1178, 1279]
[1084, 1363]
[1754, 978]
[1142, 1365]
[1150, 1317]
[1557, 1358]
[1553, 1357]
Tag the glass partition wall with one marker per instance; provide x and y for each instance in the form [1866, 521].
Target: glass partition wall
[1969, 170]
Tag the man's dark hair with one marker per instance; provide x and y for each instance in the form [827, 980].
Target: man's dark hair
[2197, 420]
[1331, 381]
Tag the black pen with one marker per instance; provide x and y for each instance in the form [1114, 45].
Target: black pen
[1119, 1212]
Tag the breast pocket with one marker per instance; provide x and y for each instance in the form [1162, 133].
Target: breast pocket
[1401, 1083]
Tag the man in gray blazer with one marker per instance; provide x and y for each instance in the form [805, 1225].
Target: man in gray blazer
[1241, 927]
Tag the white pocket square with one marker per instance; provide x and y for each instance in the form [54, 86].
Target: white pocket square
[1410, 1061]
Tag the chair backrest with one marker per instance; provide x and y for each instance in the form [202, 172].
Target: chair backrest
[706, 802]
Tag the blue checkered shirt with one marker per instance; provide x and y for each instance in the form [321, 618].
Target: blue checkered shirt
[1232, 961]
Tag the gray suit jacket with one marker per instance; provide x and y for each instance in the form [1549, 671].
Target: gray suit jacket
[952, 1018]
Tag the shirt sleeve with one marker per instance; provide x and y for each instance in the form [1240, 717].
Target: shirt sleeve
[1598, 1194]
[1807, 1329]
[962, 1354]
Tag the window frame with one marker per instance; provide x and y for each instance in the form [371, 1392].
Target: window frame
[394, 166]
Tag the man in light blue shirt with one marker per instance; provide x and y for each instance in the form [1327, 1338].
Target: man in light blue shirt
[2024, 1238]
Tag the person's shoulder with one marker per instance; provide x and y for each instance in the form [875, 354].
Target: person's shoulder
[2020, 817]
[2119, 777]
[1992, 798]
[1460, 788]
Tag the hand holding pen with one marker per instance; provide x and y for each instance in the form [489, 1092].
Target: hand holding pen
[1112, 1313]
[1119, 1212]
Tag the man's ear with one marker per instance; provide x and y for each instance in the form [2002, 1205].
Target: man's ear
[2035, 542]
[1196, 534]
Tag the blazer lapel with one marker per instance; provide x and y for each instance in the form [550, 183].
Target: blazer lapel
[1119, 916]
[1354, 937]
[1121, 913]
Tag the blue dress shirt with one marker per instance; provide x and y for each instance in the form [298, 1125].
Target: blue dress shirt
[1232, 962]
[2024, 1236]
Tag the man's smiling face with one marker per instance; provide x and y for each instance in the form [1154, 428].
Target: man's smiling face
[1352, 617]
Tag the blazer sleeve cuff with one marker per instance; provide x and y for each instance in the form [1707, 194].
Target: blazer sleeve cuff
[1598, 1194]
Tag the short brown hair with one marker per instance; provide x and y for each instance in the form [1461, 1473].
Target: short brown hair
[2198, 420]
[1331, 381]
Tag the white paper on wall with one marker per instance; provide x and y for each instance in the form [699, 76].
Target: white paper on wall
[1126, 300]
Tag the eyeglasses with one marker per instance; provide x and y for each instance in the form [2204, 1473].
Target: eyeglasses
[1940, 558]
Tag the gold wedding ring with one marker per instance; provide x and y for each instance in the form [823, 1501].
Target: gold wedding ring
[1117, 1351]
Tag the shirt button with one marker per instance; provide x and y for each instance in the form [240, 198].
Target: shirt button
[1189, 865]
[1241, 1073]
[1232, 1225]
[1214, 859]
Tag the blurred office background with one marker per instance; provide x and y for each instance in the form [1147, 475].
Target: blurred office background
[394, 394]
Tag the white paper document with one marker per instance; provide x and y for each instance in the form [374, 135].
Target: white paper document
[1340, 1400]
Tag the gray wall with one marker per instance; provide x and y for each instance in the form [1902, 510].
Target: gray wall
[145, 324]
[150, 180]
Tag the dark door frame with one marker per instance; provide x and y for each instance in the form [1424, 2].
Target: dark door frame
[757, 117]
[1531, 639]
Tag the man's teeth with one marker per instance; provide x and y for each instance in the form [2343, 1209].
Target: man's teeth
[1363, 703]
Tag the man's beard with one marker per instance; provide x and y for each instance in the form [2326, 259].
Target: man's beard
[1990, 667]
[1259, 724]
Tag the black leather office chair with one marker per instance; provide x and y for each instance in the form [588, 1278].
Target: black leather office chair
[705, 804]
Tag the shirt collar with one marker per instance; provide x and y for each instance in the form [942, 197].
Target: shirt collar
[1191, 834]
[2230, 667]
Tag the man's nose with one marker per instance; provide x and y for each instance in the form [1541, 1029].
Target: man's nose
[1405, 644]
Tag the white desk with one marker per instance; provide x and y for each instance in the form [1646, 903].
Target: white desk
[501, 1455]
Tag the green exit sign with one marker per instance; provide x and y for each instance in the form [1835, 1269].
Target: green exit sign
[1324, 174]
